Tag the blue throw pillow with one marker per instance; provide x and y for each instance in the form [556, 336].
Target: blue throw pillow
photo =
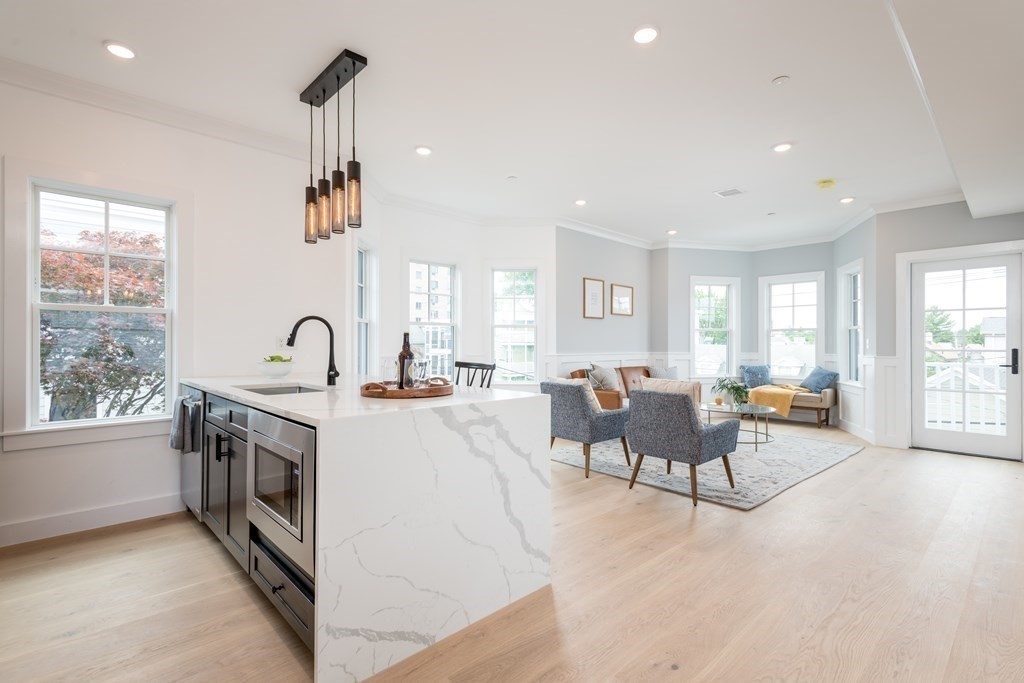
[819, 380]
[756, 375]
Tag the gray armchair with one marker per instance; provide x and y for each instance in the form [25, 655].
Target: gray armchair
[573, 419]
[666, 426]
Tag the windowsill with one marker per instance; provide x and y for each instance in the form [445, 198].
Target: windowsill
[50, 435]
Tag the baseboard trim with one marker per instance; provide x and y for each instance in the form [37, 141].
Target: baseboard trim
[858, 431]
[83, 520]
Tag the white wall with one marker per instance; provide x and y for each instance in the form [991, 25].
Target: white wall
[475, 251]
[245, 274]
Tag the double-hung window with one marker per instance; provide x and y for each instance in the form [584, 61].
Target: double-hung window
[362, 312]
[514, 325]
[794, 319]
[714, 306]
[102, 332]
[432, 315]
[850, 283]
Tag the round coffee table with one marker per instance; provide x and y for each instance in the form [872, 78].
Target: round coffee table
[751, 409]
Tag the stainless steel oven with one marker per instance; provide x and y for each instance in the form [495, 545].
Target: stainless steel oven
[281, 485]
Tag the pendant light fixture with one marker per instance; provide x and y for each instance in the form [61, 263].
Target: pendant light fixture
[323, 200]
[333, 205]
[338, 178]
[355, 175]
[311, 227]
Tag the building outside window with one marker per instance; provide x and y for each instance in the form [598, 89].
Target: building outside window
[514, 325]
[793, 323]
[101, 306]
[714, 321]
[432, 315]
[362, 312]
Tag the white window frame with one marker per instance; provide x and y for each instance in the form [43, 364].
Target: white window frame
[844, 275]
[365, 294]
[37, 306]
[733, 283]
[764, 284]
[536, 329]
[454, 296]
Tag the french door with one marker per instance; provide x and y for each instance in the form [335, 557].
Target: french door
[966, 336]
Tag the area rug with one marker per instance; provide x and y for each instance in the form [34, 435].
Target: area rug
[759, 476]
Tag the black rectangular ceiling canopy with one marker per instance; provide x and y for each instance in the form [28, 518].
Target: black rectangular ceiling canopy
[346, 66]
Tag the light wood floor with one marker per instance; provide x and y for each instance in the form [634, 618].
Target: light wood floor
[893, 565]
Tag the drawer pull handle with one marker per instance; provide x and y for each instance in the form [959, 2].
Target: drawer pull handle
[274, 589]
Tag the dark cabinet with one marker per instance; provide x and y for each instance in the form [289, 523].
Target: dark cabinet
[224, 469]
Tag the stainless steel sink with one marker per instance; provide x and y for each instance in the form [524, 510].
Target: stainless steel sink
[279, 389]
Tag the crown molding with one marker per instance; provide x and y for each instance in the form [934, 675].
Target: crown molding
[51, 83]
[597, 231]
[920, 202]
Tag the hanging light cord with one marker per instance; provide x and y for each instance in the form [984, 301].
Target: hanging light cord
[353, 111]
[323, 110]
[311, 143]
[338, 92]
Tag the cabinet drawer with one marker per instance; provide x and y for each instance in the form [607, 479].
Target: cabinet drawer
[230, 416]
[290, 600]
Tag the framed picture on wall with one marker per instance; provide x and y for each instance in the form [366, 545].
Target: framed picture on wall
[593, 298]
[622, 300]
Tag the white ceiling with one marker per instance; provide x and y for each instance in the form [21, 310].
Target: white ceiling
[556, 93]
[971, 60]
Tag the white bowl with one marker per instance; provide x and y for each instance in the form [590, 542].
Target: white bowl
[275, 370]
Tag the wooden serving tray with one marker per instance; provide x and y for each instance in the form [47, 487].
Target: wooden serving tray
[435, 386]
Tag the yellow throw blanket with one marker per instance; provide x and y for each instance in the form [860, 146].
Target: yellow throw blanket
[779, 397]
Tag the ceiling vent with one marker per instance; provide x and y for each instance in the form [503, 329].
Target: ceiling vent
[732, 192]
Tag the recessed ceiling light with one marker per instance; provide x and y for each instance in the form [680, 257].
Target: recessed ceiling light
[645, 34]
[780, 80]
[783, 147]
[581, 202]
[847, 200]
[119, 50]
[671, 232]
[423, 151]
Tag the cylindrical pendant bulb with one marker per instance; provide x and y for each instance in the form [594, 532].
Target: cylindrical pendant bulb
[338, 202]
[323, 208]
[354, 195]
[311, 215]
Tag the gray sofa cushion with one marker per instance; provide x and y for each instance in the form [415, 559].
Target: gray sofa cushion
[663, 373]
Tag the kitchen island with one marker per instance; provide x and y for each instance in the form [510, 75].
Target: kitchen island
[430, 514]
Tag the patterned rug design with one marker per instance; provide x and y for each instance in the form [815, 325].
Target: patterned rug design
[759, 476]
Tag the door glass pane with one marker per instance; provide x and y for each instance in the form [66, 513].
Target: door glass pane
[985, 329]
[944, 289]
[137, 230]
[71, 222]
[101, 364]
[67, 277]
[944, 410]
[982, 372]
[943, 329]
[986, 414]
[985, 287]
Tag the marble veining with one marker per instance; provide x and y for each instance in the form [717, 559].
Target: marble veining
[428, 520]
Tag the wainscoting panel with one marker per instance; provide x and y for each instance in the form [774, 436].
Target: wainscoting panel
[891, 403]
[853, 409]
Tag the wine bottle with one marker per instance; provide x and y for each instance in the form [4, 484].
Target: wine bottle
[404, 359]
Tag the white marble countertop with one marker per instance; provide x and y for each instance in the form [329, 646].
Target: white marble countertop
[337, 402]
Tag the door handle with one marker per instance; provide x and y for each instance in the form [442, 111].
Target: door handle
[220, 439]
[1014, 364]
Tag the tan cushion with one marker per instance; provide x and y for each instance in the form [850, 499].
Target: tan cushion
[826, 399]
[588, 391]
[631, 377]
[674, 386]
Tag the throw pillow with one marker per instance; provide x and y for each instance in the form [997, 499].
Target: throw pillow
[663, 373]
[756, 375]
[819, 380]
[674, 386]
[588, 391]
[606, 378]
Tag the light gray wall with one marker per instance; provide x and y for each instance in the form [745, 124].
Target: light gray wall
[859, 243]
[685, 263]
[579, 255]
[659, 293]
[933, 227]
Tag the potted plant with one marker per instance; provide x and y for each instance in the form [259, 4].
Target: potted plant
[737, 391]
